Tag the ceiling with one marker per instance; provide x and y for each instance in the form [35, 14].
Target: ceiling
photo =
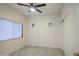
[50, 8]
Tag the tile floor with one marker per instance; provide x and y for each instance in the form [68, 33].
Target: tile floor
[38, 51]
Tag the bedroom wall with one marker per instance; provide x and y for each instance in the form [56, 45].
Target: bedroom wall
[7, 47]
[76, 40]
[42, 34]
[68, 28]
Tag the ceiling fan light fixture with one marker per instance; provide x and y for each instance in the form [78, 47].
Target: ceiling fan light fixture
[33, 7]
[32, 10]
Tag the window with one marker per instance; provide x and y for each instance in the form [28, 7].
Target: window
[10, 30]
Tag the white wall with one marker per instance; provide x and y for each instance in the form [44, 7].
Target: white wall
[41, 34]
[76, 40]
[7, 47]
[68, 29]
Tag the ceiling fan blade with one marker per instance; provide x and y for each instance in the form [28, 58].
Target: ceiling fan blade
[41, 5]
[38, 10]
[23, 5]
[31, 4]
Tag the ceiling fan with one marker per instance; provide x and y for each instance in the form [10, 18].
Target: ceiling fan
[33, 7]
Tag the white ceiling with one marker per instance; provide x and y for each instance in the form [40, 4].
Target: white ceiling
[50, 8]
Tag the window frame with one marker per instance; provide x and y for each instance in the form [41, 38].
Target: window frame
[13, 22]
